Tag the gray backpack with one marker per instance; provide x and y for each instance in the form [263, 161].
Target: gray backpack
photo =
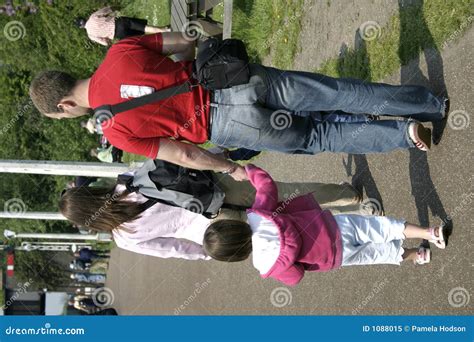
[164, 182]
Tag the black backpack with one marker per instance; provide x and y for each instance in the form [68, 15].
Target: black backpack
[164, 182]
[218, 65]
[221, 64]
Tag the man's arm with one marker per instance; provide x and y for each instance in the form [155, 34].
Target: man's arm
[165, 43]
[194, 157]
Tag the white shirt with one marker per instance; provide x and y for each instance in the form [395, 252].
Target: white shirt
[265, 242]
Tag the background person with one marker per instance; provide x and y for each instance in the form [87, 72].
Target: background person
[104, 25]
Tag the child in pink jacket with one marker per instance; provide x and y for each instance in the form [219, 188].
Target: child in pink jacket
[290, 237]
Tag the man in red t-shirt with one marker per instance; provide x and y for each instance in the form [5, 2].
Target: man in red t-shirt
[273, 111]
[135, 67]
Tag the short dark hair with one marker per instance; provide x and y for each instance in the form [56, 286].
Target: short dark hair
[48, 88]
[80, 22]
[228, 240]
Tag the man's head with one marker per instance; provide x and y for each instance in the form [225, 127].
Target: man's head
[53, 94]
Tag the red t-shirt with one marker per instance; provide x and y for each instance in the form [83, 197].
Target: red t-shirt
[135, 67]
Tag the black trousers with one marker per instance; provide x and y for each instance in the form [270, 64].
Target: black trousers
[128, 27]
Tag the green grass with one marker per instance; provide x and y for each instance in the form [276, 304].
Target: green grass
[420, 27]
[267, 27]
[130, 157]
[157, 12]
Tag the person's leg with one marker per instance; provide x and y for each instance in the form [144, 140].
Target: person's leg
[242, 154]
[305, 91]
[258, 128]
[357, 209]
[327, 195]
[335, 116]
[410, 254]
[378, 229]
[362, 137]
[339, 116]
[331, 195]
[236, 193]
[434, 235]
[154, 29]
[371, 229]
[240, 120]
[129, 27]
[413, 231]
[358, 250]
[231, 214]
[390, 252]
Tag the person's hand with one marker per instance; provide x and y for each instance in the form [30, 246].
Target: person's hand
[90, 126]
[239, 174]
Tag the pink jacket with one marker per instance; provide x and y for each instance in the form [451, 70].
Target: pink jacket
[309, 236]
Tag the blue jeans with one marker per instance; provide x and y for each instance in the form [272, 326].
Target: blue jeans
[277, 111]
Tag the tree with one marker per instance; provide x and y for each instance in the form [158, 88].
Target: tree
[40, 269]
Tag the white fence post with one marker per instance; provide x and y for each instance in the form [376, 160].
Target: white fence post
[65, 168]
[59, 168]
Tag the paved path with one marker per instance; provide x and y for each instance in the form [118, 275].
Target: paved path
[412, 185]
[321, 36]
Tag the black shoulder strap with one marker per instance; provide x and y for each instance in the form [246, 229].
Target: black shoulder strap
[127, 180]
[234, 207]
[143, 100]
[150, 203]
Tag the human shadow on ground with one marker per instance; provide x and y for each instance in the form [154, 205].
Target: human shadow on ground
[411, 45]
[356, 64]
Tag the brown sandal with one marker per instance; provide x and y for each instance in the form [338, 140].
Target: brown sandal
[420, 136]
